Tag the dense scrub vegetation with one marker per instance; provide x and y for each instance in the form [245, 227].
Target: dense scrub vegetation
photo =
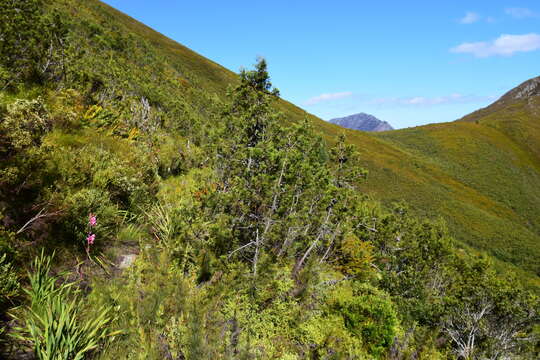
[250, 234]
[480, 174]
[493, 171]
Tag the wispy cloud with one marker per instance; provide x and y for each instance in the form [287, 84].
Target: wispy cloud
[521, 13]
[327, 97]
[469, 18]
[429, 101]
[505, 45]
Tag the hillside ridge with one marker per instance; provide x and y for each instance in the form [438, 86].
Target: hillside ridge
[526, 89]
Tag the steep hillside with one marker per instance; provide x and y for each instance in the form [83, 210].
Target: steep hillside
[480, 177]
[154, 205]
[481, 173]
[363, 122]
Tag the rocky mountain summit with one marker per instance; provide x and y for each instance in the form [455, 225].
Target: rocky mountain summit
[362, 121]
[527, 93]
[527, 89]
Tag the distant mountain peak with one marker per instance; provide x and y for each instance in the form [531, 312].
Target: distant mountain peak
[363, 122]
[525, 90]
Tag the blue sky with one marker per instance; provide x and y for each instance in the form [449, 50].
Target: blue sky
[406, 62]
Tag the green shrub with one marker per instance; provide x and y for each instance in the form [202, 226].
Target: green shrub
[326, 337]
[78, 205]
[368, 313]
[176, 155]
[93, 159]
[31, 40]
[9, 282]
[4, 76]
[21, 130]
[66, 109]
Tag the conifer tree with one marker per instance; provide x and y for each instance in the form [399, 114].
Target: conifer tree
[286, 197]
[29, 40]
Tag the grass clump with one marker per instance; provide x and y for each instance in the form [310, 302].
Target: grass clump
[57, 324]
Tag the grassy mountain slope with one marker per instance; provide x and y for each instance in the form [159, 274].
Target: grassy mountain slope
[195, 221]
[481, 176]
[481, 186]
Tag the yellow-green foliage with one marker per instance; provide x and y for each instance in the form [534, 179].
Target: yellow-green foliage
[23, 124]
[368, 314]
[9, 281]
[356, 256]
[356, 321]
[444, 169]
[227, 318]
[21, 129]
[104, 162]
[328, 333]
[252, 237]
[479, 176]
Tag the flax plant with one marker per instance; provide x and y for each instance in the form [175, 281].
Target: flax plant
[55, 323]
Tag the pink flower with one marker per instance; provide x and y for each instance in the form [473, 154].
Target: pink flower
[92, 221]
[90, 239]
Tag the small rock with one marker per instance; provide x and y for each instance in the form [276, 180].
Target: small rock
[126, 261]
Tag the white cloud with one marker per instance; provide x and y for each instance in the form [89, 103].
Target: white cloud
[327, 97]
[505, 45]
[429, 101]
[520, 13]
[469, 18]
